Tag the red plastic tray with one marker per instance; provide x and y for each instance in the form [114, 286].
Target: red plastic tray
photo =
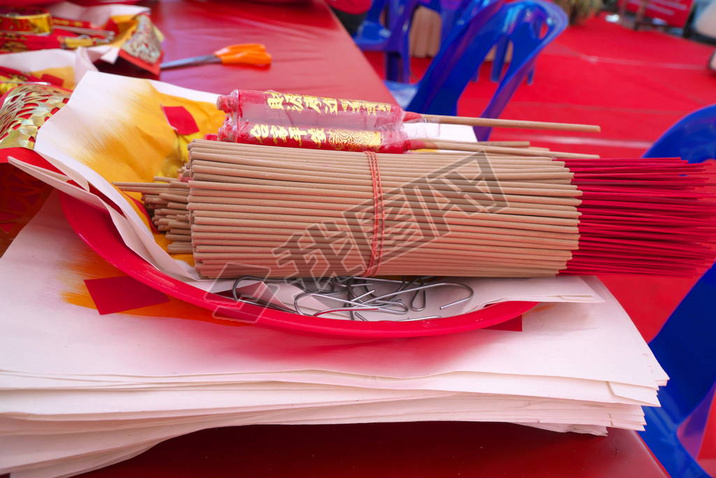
[97, 230]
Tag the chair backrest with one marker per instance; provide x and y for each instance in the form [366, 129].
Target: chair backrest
[527, 25]
[401, 19]
[692, 138]
[394, 40]
[449, 11]
[392, 27]
[396, 8]
[372, 28]
[685, 345]
[375, 11]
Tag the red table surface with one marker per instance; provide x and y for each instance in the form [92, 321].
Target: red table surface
[314, 55]
[428, 449]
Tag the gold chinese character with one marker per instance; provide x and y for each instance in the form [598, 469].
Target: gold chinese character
[313, 103]
[260, 132]
[295, 102]
[330, 105]
[371, 107]
[318, 136]
[297, 134]
[275, 101]
[278, 133]
[351, 105]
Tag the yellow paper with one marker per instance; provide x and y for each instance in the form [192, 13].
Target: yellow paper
[115, 128]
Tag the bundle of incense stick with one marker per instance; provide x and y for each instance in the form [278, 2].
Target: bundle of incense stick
[300, 121]
[277, 212]
[289, 109]
[384, 141]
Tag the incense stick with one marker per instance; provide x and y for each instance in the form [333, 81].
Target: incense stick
[507, 123]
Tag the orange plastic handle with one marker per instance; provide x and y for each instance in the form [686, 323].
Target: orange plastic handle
[247, 53]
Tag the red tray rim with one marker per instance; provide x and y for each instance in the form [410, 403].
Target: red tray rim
[95, 228]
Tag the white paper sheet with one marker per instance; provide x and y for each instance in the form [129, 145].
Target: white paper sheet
[66, 131]
[72, 467]
[487, 404]
[25, 451]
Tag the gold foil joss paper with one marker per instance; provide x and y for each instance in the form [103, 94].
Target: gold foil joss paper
[8, 81]
[25, 109]
[26, 20]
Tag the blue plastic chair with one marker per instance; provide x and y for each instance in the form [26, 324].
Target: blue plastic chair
[372, 29]
[692, 138]
[686, 345]
[393, 41]
[528, 25]
[449, 11]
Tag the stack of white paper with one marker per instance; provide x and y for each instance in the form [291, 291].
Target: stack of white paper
[80, 391]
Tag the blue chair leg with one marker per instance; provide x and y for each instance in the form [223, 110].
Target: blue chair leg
[405, 64]
[392, 66]
[663, 443]
[498, 63]
[482, 133]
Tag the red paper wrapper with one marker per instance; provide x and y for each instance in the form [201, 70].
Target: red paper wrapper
[388, 141]
[286, 109]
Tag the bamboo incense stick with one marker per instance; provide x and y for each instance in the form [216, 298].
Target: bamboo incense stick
[508, 123]
[476, 147]
[220, 182]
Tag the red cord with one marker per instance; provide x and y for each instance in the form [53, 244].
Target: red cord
[376, 247]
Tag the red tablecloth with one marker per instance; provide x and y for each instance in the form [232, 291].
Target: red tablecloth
[402, 450]
[312, 53]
